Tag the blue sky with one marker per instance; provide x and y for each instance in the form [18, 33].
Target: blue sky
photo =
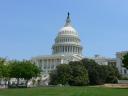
[28, 27]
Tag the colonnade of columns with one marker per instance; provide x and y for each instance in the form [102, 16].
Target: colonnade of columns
[64, 49]
[71, 39]
[48, 64]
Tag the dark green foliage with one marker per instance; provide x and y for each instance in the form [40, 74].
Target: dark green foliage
[2, 67]
[53, 77]
[23, 69]
[60, 75]
[93, 71]
[112, 74]
[125, 61]
[4, 70]
[73, 74]
[63, 73]
[100, 74]
[78, 74]
[17, 69]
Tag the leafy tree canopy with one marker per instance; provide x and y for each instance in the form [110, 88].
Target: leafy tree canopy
[73, 73]
[125, 60]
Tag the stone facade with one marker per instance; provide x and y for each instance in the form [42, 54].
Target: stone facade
[104, 60]
[66, 48]
[123, 71]
[113, 61]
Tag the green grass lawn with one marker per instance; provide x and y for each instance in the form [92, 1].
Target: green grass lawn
[64, 91]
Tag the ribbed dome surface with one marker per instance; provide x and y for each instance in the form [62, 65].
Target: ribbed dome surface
[67, 31]
[67, 40]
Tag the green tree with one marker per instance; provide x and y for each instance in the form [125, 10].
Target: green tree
[2, 62]
[93, 71]
[60, 75]
[15, 70]
[23, 69]
[125, 61]
[53, 77]
[78, 74]
[29, 70]
[112, 74]
[1, 69]
[63, 73]
[100, 74]
[4, 70]
[73, 73]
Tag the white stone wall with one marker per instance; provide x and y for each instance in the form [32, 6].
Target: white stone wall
[102, 60]
[123, 71]
[48, 63]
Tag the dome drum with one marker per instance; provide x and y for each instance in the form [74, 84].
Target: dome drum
[67, 40]
[70, 49]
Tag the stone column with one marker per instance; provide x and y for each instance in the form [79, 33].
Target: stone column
[65, 48]
[62, 49]
[71, 49]
[46, 66]
[49, 64]
[53, 63]
[74, 49]
[77, 50]
[57, 49]
[42, 65]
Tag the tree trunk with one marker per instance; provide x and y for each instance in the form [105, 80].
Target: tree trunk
[26, 83]
[8, 82]
[0, 81]
[5, 82]
[18, 79]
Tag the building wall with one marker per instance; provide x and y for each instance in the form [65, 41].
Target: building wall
[104, 60]
[48, 63]
[119, 56]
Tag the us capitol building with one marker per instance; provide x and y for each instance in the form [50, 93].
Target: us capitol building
[66, 48]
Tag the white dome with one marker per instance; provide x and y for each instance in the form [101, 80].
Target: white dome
[67, 40]
[67, 31]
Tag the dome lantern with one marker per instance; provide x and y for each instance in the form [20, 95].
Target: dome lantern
[68, 21]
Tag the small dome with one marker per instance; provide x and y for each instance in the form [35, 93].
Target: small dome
[67, 31]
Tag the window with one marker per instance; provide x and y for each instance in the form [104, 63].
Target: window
[125, 71]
